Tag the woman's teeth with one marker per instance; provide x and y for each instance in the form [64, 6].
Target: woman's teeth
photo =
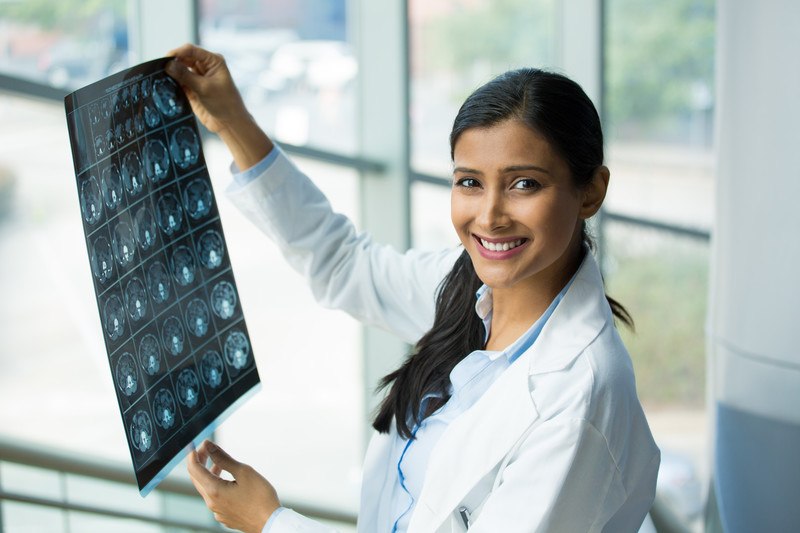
[501, 246]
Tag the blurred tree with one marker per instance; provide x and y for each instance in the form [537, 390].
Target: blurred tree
[49, 14]
[659, 66]
[473, 40]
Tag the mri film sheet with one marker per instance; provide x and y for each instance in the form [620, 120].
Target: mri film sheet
[178, 347]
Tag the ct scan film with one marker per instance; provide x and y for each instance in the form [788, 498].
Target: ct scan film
[176, 339]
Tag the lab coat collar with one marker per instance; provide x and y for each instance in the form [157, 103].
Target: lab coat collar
[478, 440]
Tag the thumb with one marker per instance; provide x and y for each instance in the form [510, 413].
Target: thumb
[183, 75]
[221, 458]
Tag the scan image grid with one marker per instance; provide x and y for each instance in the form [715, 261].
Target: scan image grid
[178, 347]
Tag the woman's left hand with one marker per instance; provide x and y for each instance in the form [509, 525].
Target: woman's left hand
[245, 503]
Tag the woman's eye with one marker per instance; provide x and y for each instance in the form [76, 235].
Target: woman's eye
[527, 184]
[467, 182]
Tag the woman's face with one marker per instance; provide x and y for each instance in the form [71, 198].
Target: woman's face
[514, 205]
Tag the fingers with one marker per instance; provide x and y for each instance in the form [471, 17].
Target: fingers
[221, 459]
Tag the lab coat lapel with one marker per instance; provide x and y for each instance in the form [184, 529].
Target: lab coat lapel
[473, 444]
[478, 440]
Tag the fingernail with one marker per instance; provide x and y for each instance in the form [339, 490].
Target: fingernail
[211, 447]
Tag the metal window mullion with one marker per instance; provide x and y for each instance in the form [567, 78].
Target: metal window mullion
[380, 39]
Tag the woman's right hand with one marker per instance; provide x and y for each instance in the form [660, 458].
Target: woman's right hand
[217, 103]
[209, 86]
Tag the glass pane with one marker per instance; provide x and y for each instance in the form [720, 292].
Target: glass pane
[659, 106]
[456, 46]
[431, 227]
[55, 380]
[293, 63]
[309, 359]
[68, 43]
[662, 280]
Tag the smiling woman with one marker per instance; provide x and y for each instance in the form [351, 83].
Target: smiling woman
[517, 410]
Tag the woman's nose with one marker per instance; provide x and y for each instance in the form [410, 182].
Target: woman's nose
[492, 211]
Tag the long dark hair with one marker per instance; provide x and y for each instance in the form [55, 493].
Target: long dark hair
[557, 108]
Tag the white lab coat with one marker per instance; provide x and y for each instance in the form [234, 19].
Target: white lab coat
[558, 443]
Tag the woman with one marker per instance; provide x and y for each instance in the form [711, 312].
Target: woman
[517, 410]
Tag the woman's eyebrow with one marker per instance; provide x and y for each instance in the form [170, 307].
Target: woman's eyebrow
[517, 168]
[465, 170]
[512, 168]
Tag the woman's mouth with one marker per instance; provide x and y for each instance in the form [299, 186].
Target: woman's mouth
[500, 246]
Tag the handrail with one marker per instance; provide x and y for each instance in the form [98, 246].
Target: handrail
[90, 509]
[40, 456]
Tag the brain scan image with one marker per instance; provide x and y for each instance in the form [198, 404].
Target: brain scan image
[134, 89]
[223, 300]
[158, 282]
[101, 260]
[129, 129]
[150, 354]
[211, 369]
[197, 317]
[165, 96]
[99, 146]
[114, 317]
[169, 214]
[110, 144]
[197, 198]
[185, 147]
[135, 299]
[172, 335]
[119, 134]
[237, 349]
[105, 109]
[164, 408]
[111, 185]
[183, 266]
[138, 123]
[146, 87]
[156, 160]
[145, 227]
[210, 249]
[141, 431]
[125, 97]
[171, 321]
[123, 244]
[125, 372]
[94, 114]
[91, 201]
[132, 175]
[151, 116]
[188, 387]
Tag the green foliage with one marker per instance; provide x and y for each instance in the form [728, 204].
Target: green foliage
[503, 33]
[665, 288]
[54, 14]
[658, 53]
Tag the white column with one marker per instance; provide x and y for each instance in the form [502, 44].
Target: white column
[380, 39]
[754, 344]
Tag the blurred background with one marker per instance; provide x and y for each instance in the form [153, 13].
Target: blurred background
[363, 95]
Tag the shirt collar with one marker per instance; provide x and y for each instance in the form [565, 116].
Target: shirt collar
[483, 308]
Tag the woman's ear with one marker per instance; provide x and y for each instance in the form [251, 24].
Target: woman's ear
[595, 192]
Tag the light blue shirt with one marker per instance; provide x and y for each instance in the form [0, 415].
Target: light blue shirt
[469, 379]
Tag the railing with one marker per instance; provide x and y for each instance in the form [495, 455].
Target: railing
[69, 464]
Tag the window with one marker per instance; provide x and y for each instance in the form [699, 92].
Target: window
[66, 44]
[294, 65]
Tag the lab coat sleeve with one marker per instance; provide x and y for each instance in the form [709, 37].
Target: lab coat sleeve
[345, 269]
[564, 478]
[289, 521]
